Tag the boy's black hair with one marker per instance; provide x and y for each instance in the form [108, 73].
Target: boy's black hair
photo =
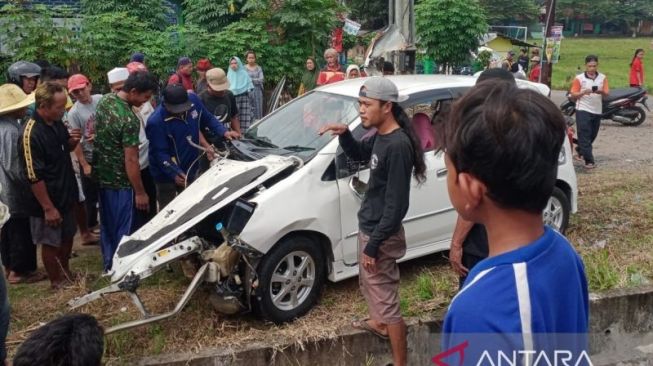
[54, 73]
[496, 73]
[510, 139]
[71, 340]
[591, 58]
[141, 81]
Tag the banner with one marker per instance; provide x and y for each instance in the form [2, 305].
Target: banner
[351, 27]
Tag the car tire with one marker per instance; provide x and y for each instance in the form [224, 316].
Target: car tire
[286, 289]
[557, 211]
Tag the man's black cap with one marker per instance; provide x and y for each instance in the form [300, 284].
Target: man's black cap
[175, 99]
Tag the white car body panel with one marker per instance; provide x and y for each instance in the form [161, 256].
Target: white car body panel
[303, 202]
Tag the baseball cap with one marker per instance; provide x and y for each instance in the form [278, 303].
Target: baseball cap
[382, 89]
[175, 99]
[117, 74]
[137, 57]
[183, 61]
[77, 81]
[511, 53]
[203, 64]
[217, 79]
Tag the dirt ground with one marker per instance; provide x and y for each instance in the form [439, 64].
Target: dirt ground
[619, 146]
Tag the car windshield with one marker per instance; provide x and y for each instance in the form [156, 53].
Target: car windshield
[294, 127]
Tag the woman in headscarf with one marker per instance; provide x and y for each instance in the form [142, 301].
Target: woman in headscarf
[241, 85]
[353, 72]
[256, 74]
[309, 77]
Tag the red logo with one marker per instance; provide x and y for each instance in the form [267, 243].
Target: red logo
[438, 359]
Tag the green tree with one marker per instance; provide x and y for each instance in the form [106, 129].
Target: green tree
[213, 15]
[500, 12]
[151, 13]
[278, 57]
[31, 34]
[449, 29]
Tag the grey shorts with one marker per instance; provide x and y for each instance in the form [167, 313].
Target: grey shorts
[53, 236]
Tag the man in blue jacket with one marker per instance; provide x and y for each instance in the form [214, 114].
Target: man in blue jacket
[173, 160]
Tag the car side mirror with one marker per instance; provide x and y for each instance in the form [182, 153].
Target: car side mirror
[358, 187]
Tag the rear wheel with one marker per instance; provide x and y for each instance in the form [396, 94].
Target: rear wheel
[291, 279]
[635, 114]
[557, 211]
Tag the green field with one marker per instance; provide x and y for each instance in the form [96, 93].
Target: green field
[614, 54]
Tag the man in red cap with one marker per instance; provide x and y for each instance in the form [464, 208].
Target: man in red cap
[203, 65]
[82, 116]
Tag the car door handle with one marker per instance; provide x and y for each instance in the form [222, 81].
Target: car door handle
[441, 173]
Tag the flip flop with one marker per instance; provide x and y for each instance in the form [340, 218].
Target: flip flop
[363, 325]
[32, 278]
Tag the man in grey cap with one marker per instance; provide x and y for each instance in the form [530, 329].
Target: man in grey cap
[394, 152]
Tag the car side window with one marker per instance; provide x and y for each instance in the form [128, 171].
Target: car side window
[426, 112]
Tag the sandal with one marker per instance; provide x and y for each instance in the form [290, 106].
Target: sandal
[364, 325]
[31, 278]
[590, 166]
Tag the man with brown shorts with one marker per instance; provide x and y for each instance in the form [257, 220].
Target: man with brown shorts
[393, 154]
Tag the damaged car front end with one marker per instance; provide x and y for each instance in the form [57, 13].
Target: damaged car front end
[200, 228]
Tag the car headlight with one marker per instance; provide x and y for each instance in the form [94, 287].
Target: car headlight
[562, 158]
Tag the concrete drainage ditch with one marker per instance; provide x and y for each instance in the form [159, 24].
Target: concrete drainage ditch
[621, 327]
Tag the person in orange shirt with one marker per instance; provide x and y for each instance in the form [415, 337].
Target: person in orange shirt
[588, 90]
[637, 69]
[333, 71]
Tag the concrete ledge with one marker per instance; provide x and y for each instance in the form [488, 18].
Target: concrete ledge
[621, 327]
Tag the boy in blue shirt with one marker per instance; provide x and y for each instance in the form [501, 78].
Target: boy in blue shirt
[530, 295]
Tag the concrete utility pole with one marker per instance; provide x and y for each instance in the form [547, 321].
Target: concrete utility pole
[401, 13]
[550, 18]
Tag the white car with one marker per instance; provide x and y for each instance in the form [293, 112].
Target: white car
[289, 199]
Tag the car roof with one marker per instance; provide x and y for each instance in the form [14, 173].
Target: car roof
[410, 84]
[406, 84]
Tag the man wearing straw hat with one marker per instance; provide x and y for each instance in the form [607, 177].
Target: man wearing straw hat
[18, 251]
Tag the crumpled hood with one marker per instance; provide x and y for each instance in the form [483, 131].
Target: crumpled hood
[220, 185]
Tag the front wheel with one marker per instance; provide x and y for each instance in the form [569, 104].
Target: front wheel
[291, 279]
[557, 211]
[635, 116]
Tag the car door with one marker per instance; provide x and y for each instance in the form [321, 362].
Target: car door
[430, 217]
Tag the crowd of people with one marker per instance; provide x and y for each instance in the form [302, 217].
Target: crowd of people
[105, 164]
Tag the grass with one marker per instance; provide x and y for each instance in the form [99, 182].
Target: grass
[615, 55]
[613, 232]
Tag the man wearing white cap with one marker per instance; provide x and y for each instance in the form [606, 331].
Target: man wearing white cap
[117, 77]
[18, 251]
[394, 152]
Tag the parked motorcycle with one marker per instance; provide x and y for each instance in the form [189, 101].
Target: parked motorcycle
[621, 105]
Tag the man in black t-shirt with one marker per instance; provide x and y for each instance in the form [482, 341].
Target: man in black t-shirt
[219, 100]
[394, 153]
[45, 147]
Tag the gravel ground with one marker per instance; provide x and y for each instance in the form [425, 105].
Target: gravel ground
[618, 146]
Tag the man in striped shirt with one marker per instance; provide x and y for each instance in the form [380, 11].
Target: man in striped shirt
[502, 145]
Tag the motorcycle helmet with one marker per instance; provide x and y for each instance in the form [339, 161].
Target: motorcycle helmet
[18, 70]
